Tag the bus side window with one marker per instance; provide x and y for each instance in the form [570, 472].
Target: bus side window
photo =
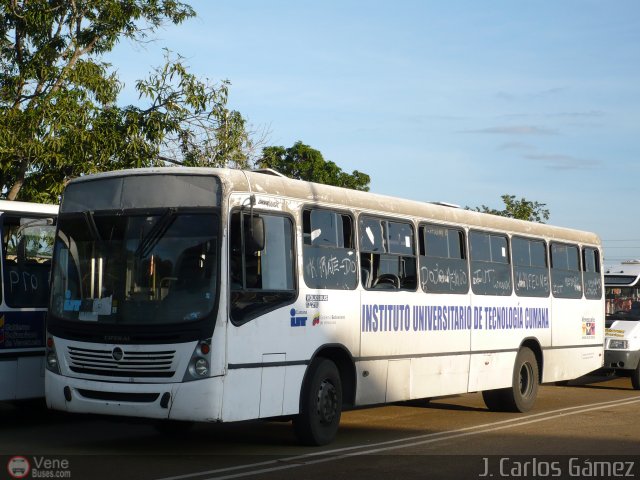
[387, 254]
[443, 260]
[591, 273]
[261, 279]
[328, 253]
[566, 280]
[530, 271]
[490, 270]
[27, 247]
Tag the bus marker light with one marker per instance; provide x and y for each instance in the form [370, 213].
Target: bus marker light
[164, 401]
[67, 394]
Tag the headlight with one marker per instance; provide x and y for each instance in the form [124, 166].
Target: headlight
[201, 367]
[51, 357]
[52, 361]
[618, 344]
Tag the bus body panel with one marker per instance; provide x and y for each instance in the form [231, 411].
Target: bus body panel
[577, 324]
[21, 354]
[570, 363]
[488, 371]
[249, 393]
[296, 330]
[439, 375]
[8, 379]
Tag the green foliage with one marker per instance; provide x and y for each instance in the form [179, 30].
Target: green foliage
[58, 112]
[188, 119]
[305, 163]
[521, 209]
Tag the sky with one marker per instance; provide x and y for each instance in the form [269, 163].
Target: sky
[452, 101]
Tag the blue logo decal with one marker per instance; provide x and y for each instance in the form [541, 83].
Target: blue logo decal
[297, 321]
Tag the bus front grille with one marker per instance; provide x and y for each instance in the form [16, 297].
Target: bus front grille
[124, 363]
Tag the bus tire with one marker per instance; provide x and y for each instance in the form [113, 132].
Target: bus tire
[522, 394]
[635, 378]
[495, 399]
[320, 404]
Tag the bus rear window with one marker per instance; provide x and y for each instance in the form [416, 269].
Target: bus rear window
[591, 273]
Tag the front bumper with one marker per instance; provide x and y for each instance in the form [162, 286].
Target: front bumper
[621, 359]
[199, 400]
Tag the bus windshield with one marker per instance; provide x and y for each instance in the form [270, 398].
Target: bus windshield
[136, 269]
[623, 303]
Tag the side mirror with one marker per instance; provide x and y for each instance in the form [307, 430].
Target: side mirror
[253, 234]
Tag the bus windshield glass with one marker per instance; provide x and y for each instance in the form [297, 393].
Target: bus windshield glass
[136, 269]
[623, 303]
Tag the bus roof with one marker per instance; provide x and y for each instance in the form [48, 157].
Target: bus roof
[27, 207]
[269, 184]
[626, 273]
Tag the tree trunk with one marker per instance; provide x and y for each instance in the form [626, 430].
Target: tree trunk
[20, 176]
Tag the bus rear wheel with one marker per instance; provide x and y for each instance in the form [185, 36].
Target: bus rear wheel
[320, 404]
[522, 394]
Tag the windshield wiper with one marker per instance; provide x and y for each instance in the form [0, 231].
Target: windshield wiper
[93, 229]
[151, 239]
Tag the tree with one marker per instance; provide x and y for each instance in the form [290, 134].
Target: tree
[195, 126]
[522, 209]
[305, 163]
[58, 112]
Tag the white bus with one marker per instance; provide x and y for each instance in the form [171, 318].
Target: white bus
[622, 342]
[224, 295]
[28, 231]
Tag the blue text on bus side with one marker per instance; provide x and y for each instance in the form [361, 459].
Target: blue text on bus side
[422, 318]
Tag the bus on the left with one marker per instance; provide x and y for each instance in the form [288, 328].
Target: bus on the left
[28, 231]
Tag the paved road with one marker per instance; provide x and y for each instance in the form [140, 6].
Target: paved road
[592, 419]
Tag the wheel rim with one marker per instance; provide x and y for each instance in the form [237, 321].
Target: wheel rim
[327, 402]
[526, 379]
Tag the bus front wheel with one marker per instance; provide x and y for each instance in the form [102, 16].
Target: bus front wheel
[522, 394]
[320, 404]
[635, 378]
